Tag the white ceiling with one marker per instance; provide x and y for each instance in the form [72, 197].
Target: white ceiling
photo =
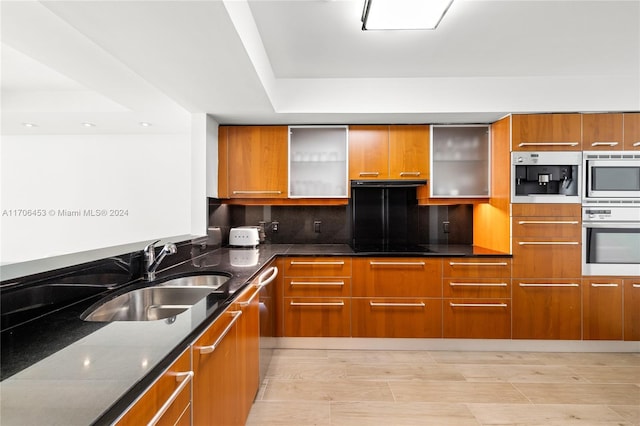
[117, 63]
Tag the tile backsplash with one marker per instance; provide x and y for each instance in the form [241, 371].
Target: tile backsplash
[296, 224]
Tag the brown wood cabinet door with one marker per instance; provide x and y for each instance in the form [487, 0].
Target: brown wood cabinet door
[317, 267]
[317, 317]
[548, 309]
[546, 132]
[216, 393]
[602, 132]
[368, 152]
[602, 309]
[257, 161]
[547, 210]
[162, 390]
[631, 131]
[409, 152]
[248, 348]
[632, 308]
[477, 318]
[397, 277]
[556, 226]
[547, 257]
[396, 317]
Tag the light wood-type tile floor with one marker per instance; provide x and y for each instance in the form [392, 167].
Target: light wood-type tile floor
[358, 387]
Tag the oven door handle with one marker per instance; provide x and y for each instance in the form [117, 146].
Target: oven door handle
[616, 225]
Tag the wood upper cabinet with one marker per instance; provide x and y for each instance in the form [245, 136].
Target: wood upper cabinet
[174, 384]
[253, 162]
[368, 152]
[602, 132]
[631, 135]
[317, 297]
[546, 132]
[216, 391]
[408, 152]
[389, 152]
[602, 308]
[631, 308]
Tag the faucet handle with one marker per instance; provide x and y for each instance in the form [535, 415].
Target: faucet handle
[150, 246]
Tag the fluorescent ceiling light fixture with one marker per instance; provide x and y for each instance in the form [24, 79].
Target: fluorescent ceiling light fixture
[29, 125]
[144, 124]
[403, 14]
[87, 124]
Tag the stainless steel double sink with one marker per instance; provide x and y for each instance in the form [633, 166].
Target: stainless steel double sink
[164, 300]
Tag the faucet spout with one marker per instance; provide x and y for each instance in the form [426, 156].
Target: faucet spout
[152, 262]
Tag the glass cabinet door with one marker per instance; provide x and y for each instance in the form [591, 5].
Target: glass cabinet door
[318, 163]
[459, 161]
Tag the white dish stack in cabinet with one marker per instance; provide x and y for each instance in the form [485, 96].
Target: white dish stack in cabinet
[318, 162]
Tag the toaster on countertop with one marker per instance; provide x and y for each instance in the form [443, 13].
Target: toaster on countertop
[244, 236]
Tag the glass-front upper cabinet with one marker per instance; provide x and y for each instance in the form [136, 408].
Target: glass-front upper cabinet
[460, 161]
[318, 162]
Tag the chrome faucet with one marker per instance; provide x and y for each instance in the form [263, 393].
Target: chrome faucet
[152, 262]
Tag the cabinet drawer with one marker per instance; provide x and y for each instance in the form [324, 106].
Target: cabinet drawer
[491, 268]
[396, 317]
[397, 277]
[317, 317]
[631, 310]
[478, 287]
[477, 318]
[547, 309]
[317, 267]
[547, 210]
[174, 385]
[532, 226]
[547, 257]
[602, 309]
[317, 287]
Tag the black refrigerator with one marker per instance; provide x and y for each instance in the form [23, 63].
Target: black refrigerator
[385, 216]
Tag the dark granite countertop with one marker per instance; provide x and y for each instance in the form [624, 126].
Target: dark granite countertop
[86, 372]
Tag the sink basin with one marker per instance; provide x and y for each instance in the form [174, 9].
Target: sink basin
[212, 281]
[147, 304]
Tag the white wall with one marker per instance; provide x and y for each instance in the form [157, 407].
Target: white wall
[148, 177]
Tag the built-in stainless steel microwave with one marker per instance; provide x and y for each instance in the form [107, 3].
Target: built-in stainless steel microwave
[611, 177]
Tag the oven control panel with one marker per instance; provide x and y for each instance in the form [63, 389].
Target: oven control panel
[613, 214]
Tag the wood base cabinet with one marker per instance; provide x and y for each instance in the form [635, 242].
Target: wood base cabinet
[549, 309]
[172, 388]
[396, 317]
[602, 308]
[632, 308]
[477, 298]
[216, 399]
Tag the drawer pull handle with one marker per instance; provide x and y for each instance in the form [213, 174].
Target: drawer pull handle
[409, 173]
[478, 284]
[604, 285]
[257, 192]
[393, 305]
[549, 285]
[604, 144]
[634, 285]
[478, 305]
[548, 243]
[369, 173]
[548, 144]
[548, 222]
[316, 303]
[327, 283]
[300, 262]
[376, 263]
[208, 349]
[185, 379]
[478, 263]
[636, 144]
